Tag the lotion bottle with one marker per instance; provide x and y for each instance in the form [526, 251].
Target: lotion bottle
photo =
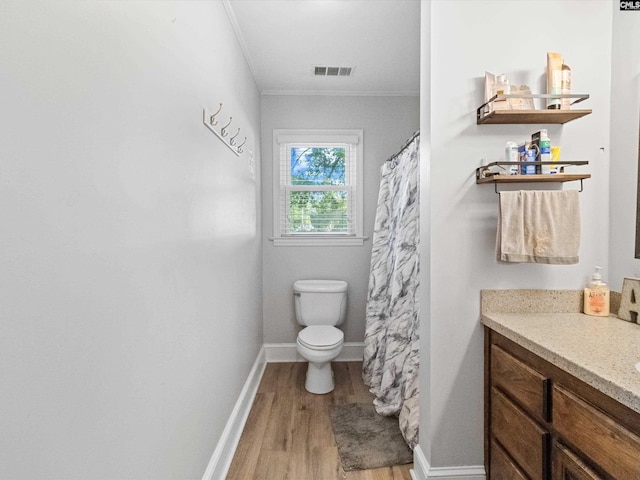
[596, 296]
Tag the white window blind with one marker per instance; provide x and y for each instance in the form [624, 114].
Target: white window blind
[319, 188]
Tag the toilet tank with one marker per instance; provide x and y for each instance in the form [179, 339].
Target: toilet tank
[320, 302]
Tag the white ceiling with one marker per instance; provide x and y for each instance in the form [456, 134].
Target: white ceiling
[284, 39]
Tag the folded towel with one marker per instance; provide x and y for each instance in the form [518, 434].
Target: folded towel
[539, 227]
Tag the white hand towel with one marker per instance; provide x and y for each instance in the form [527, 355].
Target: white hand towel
[539, 227]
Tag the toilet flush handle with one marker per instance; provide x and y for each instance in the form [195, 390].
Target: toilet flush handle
[297, 294]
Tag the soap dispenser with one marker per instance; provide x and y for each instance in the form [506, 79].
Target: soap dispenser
[596, 296]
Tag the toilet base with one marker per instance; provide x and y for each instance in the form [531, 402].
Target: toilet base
[319, 378]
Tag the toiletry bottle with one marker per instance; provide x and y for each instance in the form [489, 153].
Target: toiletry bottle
[489, 82]
[501, 87]
[522, 157]
[530, 158]
[565, 103]
[511, 155]
[555, 157]
[554, 79]
[545, 151]
[596, 296]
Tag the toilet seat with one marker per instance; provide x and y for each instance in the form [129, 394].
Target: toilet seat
[320, 337]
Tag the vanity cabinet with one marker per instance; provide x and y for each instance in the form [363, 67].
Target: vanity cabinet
[541, 423]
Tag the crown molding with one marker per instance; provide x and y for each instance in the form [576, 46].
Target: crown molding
[243, 45]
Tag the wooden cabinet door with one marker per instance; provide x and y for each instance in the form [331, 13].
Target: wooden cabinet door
[502, 467]
[527, 386]
[567, 466]
[522, 438]
[611, 446]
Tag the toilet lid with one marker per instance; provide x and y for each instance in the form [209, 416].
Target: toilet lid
[320, 336]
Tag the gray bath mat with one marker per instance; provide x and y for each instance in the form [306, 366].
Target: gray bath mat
[367, 440]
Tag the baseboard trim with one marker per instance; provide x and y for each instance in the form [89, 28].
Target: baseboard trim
[286, 352]
[225, 449]
[423, 471]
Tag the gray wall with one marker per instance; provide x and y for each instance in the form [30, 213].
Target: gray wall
[131, 270]
[464, 39]
[387, 123]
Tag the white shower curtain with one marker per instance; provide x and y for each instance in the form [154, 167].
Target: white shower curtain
[391, 354]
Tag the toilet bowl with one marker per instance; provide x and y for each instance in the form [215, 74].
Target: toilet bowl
[320, 305]
[319, 345]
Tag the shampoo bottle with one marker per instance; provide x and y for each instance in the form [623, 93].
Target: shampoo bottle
[596, 296]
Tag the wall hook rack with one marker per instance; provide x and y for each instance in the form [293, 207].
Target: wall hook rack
[210, 121]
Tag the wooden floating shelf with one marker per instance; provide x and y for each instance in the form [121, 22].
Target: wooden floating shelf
[502, 117]
[555, 177]
[543, 115]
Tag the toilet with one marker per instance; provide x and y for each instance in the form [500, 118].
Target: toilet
[320, 306]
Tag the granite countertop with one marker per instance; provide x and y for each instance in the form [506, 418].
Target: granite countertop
[600, 351]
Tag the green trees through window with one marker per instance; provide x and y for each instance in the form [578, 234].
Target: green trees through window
[323, 209]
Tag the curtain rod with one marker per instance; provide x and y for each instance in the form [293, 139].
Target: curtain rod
[404, 147]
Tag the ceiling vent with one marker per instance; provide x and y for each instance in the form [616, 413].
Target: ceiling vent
[333, 71]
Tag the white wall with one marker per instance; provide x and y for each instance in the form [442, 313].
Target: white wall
[424, 292]
[387, 123]
[625, 108]
[130, 279]
[466, 38]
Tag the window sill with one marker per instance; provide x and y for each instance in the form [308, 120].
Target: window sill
[318, 241]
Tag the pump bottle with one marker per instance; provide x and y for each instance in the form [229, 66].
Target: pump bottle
[596, 296]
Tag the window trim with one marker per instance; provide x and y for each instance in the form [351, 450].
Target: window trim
[319, 136]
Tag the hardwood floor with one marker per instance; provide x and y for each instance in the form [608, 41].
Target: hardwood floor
[288, 433]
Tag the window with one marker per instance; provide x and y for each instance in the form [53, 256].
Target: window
[317, 187]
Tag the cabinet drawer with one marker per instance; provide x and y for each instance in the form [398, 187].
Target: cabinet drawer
[567, 466]
[600, 438]
[502, 467]
[528, 387]
[521, 437]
